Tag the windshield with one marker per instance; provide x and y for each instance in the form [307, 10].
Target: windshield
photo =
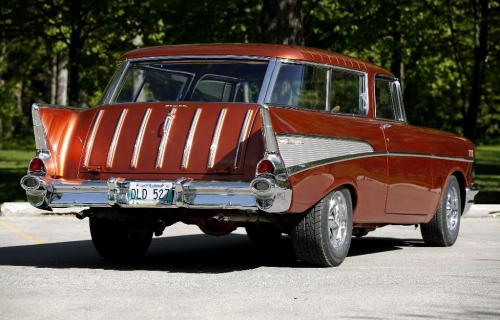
[191, 80]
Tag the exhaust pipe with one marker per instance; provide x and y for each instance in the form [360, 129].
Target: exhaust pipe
[36, 190]
[30, 183]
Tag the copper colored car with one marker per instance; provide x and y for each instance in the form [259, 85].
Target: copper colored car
[276, 139]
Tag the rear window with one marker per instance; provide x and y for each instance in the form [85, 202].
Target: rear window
[216, 81]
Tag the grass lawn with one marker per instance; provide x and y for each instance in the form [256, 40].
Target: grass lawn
[13, 165]
[488, 174]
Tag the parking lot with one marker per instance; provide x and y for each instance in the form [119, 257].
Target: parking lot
[49, 270]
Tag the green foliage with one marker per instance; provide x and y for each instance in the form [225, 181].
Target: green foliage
[429, 44]
[13, 164]
[487, 177]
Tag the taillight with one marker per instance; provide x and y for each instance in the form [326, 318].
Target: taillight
[37, 167]
[265, 166]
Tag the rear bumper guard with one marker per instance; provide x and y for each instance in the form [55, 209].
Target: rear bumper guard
[43, 192]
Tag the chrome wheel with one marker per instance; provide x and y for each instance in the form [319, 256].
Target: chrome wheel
[337, 219]
[452, 208]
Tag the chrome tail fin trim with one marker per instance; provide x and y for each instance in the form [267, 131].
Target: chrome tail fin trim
[42, 146]
[215, 139]
[245, 131]
[90, 142]
[167, 125]
[116, 137]
[189, 140]
[140, 138]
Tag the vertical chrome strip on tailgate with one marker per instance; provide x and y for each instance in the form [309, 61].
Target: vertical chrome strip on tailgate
[243, 136]
[215, 138]
[189, 141]
[116, 136]
[140, 137]
[90, 143]
[167, 125]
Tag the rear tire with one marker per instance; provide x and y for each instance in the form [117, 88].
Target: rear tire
[323, 236]
[264, 233]
[443, 229]
[117, 240]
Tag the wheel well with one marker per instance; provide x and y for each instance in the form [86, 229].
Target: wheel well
[461, 182]
[354, 195]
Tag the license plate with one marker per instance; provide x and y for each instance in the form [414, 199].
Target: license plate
[150, 193]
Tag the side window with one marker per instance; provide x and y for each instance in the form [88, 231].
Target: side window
[346, 95]
[301, 86]
[385, 104]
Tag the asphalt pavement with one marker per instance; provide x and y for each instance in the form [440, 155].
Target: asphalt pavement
[49, 270]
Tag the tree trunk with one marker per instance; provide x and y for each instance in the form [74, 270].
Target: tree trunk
[397, 64]
[281, 22]
[74, 53]
[480, 54]
[62, 80]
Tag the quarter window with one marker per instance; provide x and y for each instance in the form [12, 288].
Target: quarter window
[301, 86]
[385, 108]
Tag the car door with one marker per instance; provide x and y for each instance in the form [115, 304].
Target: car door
[409, 166]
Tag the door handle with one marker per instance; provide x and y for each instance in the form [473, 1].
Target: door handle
[385, 126]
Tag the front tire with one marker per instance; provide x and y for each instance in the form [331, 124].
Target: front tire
[117, 240]
[323, 236]
[443, 229]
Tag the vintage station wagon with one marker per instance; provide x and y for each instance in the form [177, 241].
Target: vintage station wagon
[276, 139]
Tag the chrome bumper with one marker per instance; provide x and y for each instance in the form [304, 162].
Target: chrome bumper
[46, 192]
[470, 194]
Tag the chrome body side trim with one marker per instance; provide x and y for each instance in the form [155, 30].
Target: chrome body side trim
[167, 125]
[300, 150]
[90, 142]
[245, 131]
[215, 139]
[329, 161]
[189, 140]
[230, 195]
[140, 138]
[116, 136]
[41, 144]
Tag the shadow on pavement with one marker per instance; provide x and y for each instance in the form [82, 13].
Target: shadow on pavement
[186, 254]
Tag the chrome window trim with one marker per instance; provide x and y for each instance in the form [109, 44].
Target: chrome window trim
[267, 82]
[90, 142]
[189, 141]
[328, 89]
[395, 96]
[200, 57]
[140, 138]
[330, 67]
[115, 85]
[116, 136]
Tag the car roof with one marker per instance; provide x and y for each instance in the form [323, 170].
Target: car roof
[257, 50]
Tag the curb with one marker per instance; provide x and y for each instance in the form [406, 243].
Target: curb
[484, 210]
[24, 209]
